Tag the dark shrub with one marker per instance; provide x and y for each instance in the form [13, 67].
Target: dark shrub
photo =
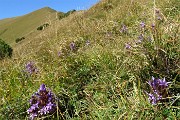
[5, 50]
[43, 26]
[40, 28]
[19, 39]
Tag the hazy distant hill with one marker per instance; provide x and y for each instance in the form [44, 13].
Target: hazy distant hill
[13, 28]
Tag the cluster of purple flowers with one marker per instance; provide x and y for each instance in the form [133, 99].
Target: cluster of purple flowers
[159, 89]
[127, 45]
[31, 68]
[42, 103]
[140, 38]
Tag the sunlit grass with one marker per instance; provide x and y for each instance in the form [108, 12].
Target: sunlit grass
[98, 78]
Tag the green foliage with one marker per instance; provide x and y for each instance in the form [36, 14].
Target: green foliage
[5, 50]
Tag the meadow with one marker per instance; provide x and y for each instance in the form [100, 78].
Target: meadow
[118, 60]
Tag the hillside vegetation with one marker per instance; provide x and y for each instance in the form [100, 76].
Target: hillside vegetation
[118, 60]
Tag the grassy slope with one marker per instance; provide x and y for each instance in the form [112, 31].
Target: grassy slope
[18, 27]
[102, 80]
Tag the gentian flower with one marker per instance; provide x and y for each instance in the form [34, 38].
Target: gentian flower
[123, 29]
[127, 46]
[140, 38]
[142, 25]
[31, 68]
[42, 103]
[159, 90]
[72, 46]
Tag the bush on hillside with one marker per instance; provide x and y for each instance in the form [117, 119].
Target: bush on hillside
[5, 50]
[19, 39]
[43, 26]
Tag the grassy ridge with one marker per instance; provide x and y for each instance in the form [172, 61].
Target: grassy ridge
[13, 28]
[99, 78]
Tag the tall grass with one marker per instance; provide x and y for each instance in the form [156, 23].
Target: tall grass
[99, 78]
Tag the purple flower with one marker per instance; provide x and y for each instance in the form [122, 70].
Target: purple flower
[154, 83]
[159, 90]
[140, 38]
[142, 25]
[154, 98]
[31, 68]
[47, 109]
[42, 88]
[123, 29]
[42, 103]
[127, 46]
[72, 46]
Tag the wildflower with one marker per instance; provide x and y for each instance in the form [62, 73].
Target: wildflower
[158, 83]
[72, 46]
[159, 90]
[140, 38]
[142, 25]
[31, 68]
[42, 103]
[127, 46]
[123, 29]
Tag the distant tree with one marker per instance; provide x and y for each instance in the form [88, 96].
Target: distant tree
[5, 49]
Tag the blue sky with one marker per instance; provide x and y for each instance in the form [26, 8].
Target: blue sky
[12, 8]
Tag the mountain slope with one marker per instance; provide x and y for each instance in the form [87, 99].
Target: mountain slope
[13, 28]
[98, 63]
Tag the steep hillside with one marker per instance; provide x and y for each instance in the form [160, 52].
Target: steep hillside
[119, 60]
[13, 28]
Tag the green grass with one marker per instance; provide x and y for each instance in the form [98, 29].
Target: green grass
[101, 80]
